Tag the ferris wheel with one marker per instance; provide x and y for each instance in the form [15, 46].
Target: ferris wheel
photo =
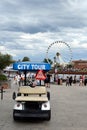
[59, 52]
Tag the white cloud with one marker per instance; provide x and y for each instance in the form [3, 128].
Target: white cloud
[28, 27]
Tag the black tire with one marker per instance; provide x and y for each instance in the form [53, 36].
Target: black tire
[14, 95]
[48, 95]
[14, 117]
[49, 116]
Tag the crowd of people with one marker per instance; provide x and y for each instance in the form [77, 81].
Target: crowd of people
[19, 79]
[81, 80]
[69, 80]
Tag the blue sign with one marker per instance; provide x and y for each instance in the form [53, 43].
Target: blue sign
[31, 66]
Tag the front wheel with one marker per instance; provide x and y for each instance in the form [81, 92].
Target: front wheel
[14, 117]
[49, 116]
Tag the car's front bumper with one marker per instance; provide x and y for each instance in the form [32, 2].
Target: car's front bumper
[32, 114]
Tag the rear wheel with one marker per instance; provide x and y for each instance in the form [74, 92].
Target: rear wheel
[14, 95]
[48, 95]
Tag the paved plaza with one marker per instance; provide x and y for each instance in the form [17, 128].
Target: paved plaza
[68, 105]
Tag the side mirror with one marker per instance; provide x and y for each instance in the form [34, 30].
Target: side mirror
[14, 95]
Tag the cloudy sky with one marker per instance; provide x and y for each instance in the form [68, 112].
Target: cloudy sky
[29, 27]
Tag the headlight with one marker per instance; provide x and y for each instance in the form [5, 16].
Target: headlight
[18, 106]
[45, 106]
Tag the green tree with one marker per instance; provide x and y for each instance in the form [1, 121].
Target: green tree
[5, 60]
[48, 61]
[26, 58]
[69, 66]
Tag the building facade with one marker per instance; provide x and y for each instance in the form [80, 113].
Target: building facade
[80, 64]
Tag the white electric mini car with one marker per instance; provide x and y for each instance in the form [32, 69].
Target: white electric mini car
[32, 103]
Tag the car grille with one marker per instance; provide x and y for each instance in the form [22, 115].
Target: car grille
[32, 106]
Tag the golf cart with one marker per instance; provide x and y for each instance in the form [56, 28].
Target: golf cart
[32, 102]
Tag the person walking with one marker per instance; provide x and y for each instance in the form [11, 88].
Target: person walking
[47, 80]
[70, 80]
[85, 80]
[67, 81]
[75, 80]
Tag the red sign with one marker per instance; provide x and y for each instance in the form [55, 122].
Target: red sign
[40, 75]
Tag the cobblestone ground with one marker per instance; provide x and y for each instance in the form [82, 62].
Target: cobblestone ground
[68, 105]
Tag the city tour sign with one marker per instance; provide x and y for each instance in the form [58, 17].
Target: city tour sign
[29, 66]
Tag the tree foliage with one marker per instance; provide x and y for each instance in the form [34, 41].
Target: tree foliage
[48, 61]
[5, 60]
[3, 77]
[69, 65]
[26, 58]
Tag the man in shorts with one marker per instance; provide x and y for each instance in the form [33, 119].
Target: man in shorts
[47, 80]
